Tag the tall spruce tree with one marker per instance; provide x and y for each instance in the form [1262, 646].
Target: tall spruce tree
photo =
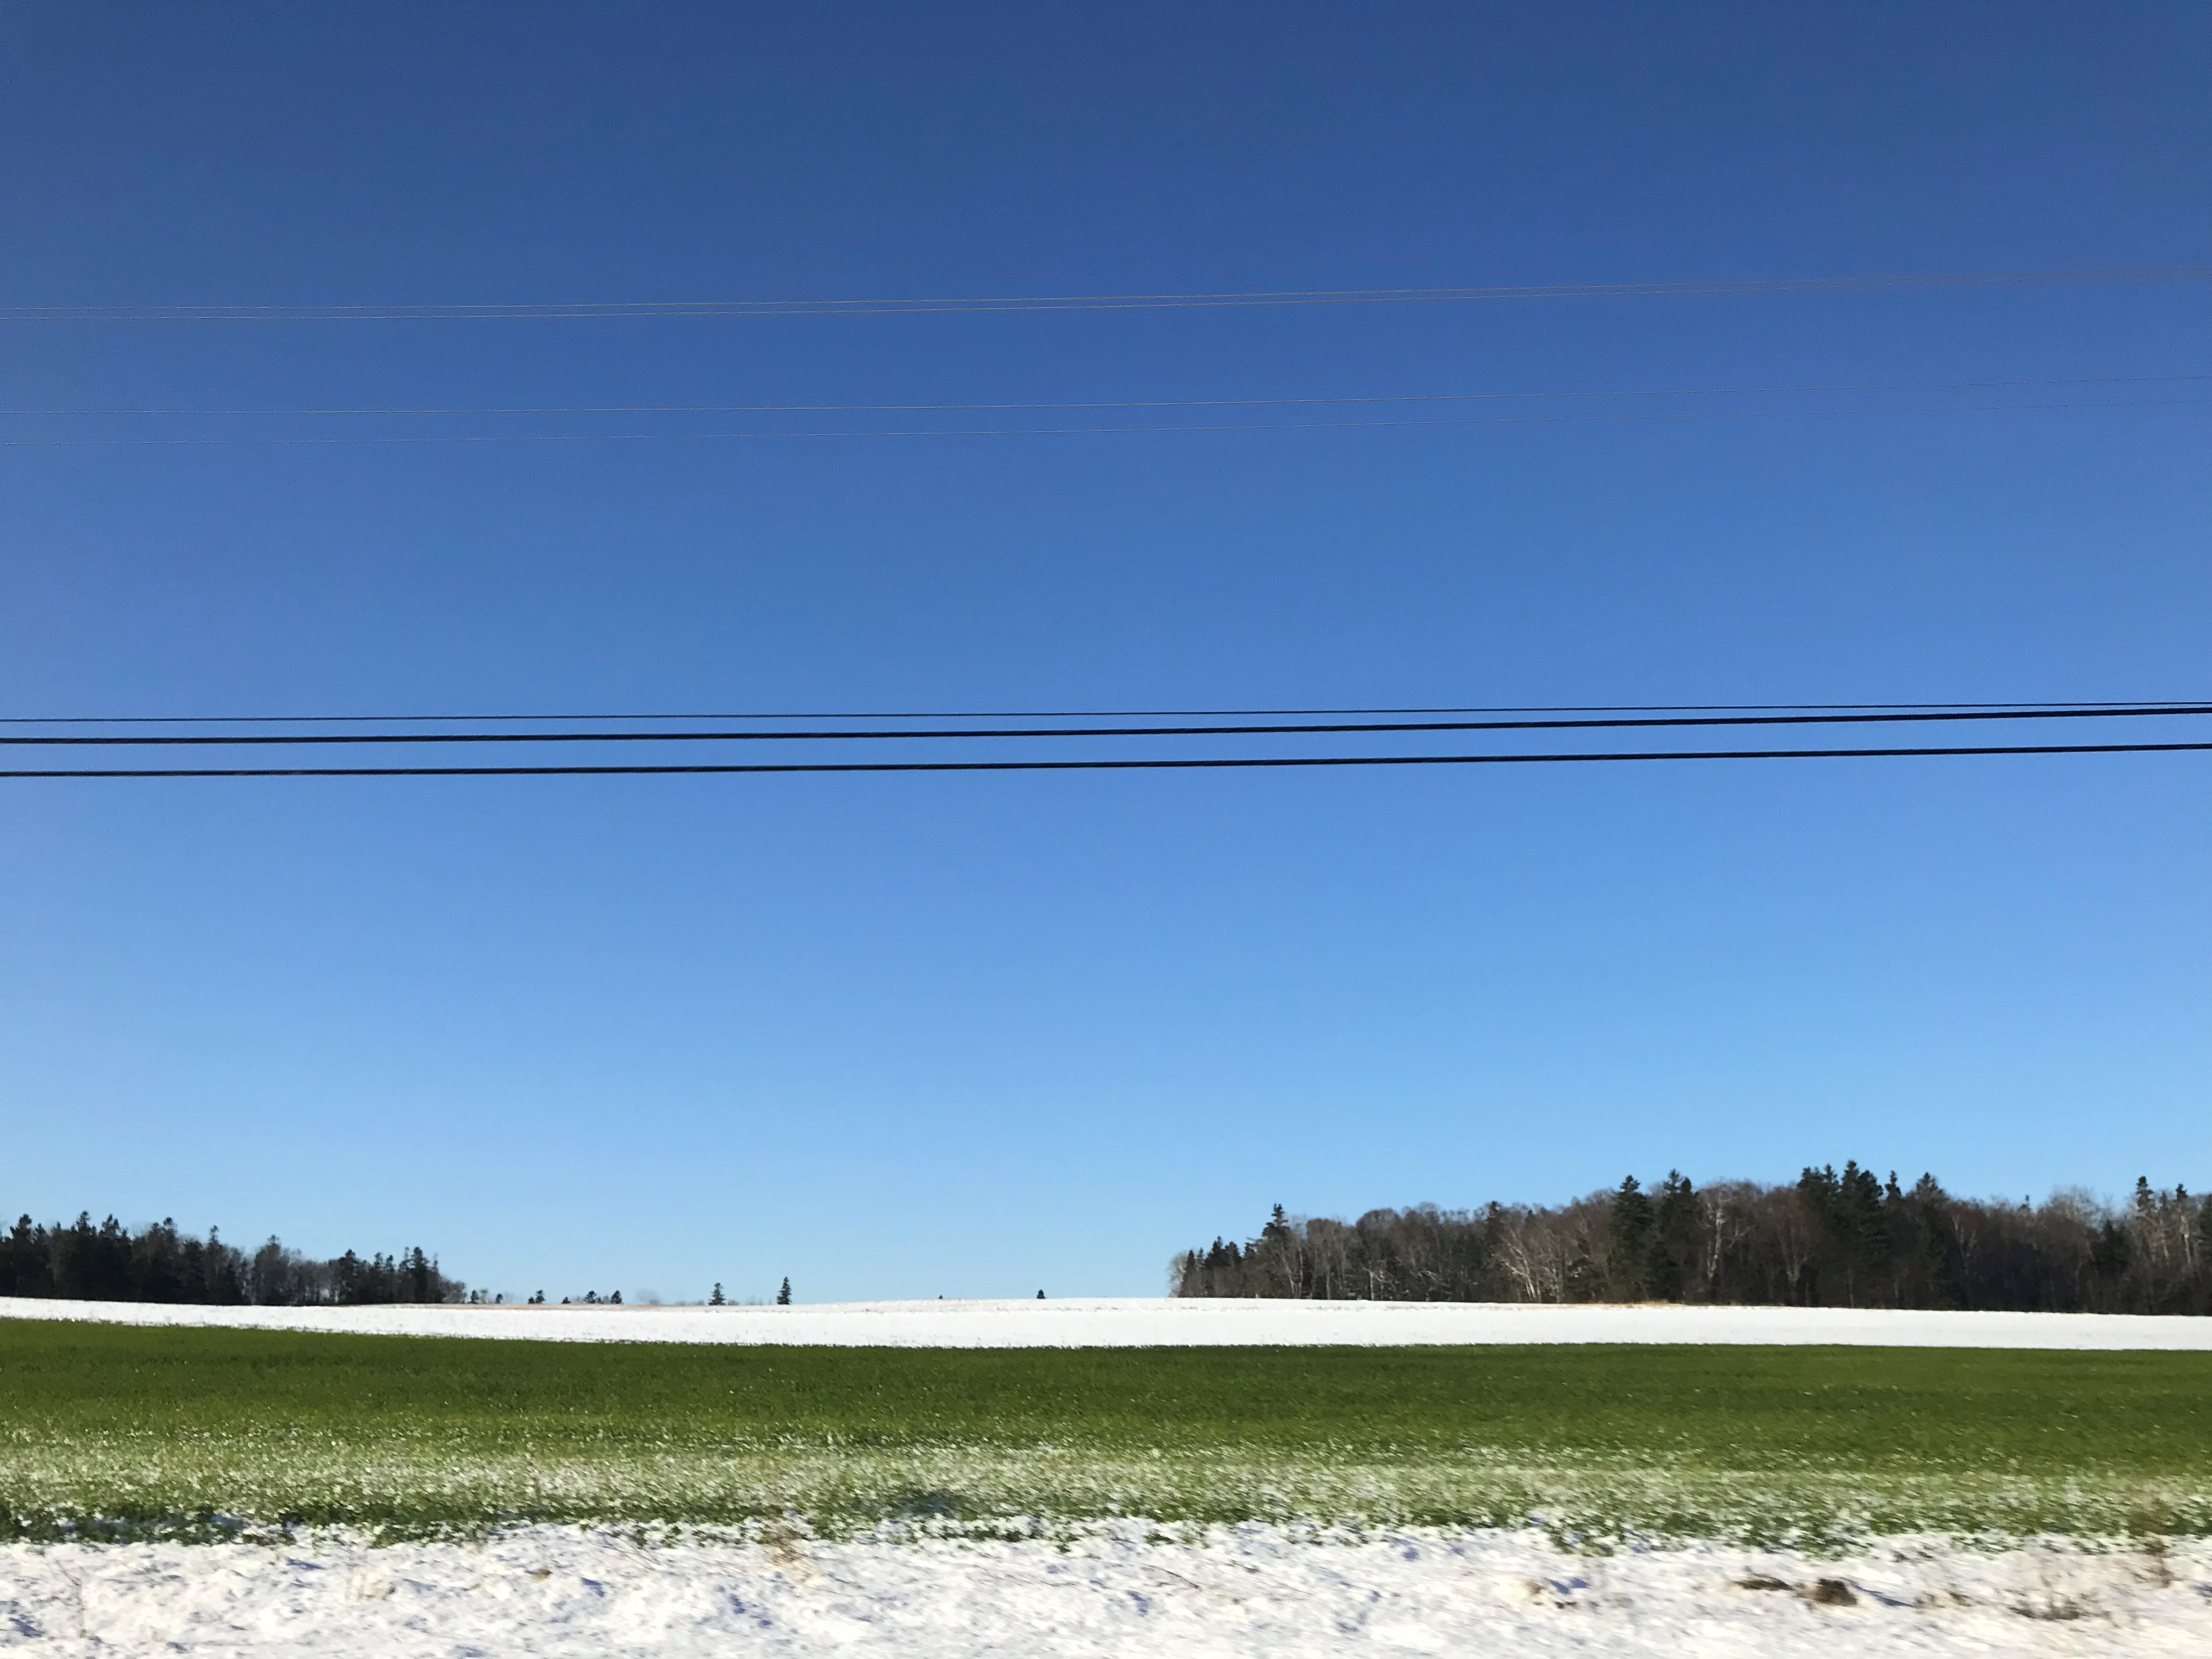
[1629, 1229]
[1863, 1236]
[1935, 1251]
[1673, 1251]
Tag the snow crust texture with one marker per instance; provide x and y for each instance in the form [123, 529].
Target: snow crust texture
[1161, 1321]
[1120, 1590]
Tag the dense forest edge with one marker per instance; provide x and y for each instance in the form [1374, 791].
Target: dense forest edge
[111, 1262]
[1827, 1240]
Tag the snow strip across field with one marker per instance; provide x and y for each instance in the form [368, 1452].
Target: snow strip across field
[1247, 1590]
[1162, 1321]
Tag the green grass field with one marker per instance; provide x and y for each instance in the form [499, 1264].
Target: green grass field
[155, 1430]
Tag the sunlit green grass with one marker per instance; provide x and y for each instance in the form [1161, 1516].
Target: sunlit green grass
[151, 1428]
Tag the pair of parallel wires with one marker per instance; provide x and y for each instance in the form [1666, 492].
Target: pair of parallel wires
[16, 733]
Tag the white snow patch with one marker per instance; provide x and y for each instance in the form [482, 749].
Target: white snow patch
[1164, 1322]
[1248, 1590]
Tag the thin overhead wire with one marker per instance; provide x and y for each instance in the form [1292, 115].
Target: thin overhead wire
[1204, 763]
[1082, 714]
[417, 411]
[911, 734]
[1902, 412]
[543, 311]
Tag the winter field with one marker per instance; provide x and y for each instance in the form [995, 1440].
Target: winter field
[1120, 1590]
[1164, 1322]
[1058, 1478]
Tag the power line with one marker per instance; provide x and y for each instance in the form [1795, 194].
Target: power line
[1241, 763]
[1074, 713]
[537, 311]
[1337, 728]
[1100, 431]
[1130, 404]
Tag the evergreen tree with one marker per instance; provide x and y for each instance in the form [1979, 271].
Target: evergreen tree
[1861, 1235]
[1673, 1251]
[1935, 1269]
[1493, 1230]
[1817, 1195]
[783, 1295]
[715, 1300]
[26, 1262]
[1630, 1227]
[1846, 1211]
[352, 1278]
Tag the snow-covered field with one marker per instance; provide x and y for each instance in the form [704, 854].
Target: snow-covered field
[1248, 1590]
[1154, 1321]
[1123, 1588]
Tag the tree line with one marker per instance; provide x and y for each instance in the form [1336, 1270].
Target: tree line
[1827, 1240]
[111, 1262]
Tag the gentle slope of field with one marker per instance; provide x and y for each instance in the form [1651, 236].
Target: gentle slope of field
[152, 1427]
[1164, 1322]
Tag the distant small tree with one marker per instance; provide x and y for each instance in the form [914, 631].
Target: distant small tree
[783, 1295]
[616, 1297]
[1040, 1296]
[715, 1300]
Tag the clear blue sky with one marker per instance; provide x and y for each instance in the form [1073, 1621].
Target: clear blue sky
[977, 1036]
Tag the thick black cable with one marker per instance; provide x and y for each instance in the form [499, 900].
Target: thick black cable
[1303, 729]
[1058, 713]
[1239, 762]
